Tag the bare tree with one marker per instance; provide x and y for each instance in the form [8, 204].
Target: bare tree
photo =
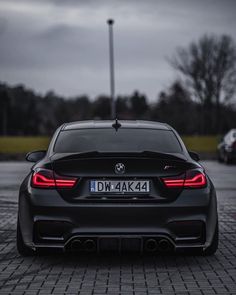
[209, 67]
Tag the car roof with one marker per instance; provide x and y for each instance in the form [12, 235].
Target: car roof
[108, 124]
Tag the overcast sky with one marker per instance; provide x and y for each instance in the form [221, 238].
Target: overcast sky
[63, 45]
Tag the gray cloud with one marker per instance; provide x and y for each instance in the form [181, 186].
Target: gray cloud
[63, 44]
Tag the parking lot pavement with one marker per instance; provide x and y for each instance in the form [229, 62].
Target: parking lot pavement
[125, 274]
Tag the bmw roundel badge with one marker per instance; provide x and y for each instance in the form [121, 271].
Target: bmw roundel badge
[119, 168]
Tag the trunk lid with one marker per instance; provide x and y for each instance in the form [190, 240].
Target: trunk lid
[101, 166]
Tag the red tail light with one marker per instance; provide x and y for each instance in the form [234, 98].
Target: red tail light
[44, 178]
[172, 182]
[192, 179]
[199, 180]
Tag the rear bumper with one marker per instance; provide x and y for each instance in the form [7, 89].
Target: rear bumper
[47, 220]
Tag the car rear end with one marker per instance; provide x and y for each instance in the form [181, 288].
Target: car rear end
[231, 146]
[226, 149]
[121, 196]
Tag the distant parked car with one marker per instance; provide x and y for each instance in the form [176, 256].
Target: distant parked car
[227, 147]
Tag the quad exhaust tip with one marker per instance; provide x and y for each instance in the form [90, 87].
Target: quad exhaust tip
[76, 245]
[164, 245]
[151, 245]
[89, 245]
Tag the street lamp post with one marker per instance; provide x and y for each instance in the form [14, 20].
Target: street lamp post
[110, 23]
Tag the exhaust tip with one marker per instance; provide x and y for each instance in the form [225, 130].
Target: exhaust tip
[76, 245]
[151, 245]
[164, 245]
[89, 245]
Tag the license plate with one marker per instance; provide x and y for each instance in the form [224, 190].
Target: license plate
[119, 186]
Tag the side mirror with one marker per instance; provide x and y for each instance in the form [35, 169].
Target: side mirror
[194, 156]
[35, 156]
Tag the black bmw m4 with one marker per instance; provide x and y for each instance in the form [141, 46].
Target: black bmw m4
[117, 186]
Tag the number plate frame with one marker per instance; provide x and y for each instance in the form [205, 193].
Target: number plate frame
[119, 187]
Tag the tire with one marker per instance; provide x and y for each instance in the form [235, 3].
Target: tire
[22, 249]
[227, 159]
[214, 244]
[220, 160]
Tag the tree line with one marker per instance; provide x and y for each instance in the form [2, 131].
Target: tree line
[201, 101]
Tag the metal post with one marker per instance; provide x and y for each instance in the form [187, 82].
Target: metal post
[110, 22]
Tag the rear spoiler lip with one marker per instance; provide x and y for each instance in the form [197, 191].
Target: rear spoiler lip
[96, 154]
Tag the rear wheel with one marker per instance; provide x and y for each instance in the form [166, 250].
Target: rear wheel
[21, 247]
[219, 157]
[227, 159]
[210, 250]
[214, 244]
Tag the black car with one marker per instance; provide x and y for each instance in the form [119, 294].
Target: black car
[227, 147]
[117, 186]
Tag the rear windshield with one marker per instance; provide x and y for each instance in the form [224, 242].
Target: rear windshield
[123, 140]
